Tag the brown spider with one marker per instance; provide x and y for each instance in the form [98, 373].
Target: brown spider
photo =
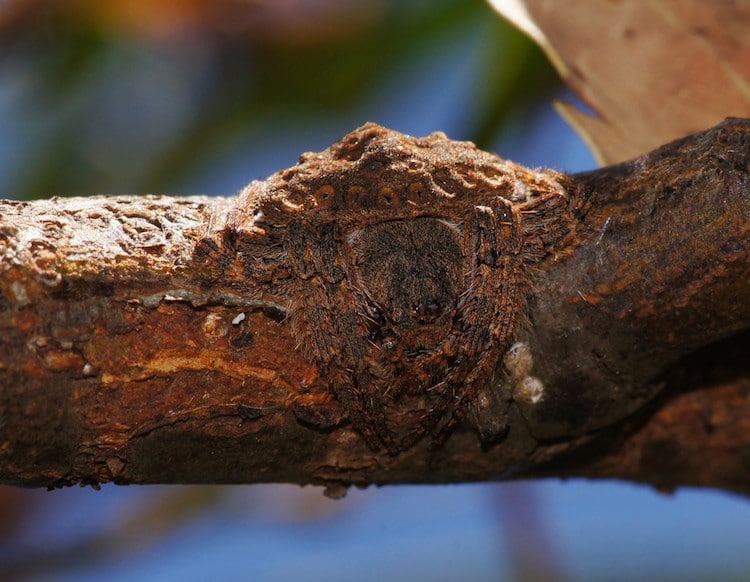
[402, 262]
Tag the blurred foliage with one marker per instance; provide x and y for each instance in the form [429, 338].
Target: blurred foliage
[144, 524]
[131, 96]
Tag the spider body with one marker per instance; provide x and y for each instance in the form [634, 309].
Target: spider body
[402, 262]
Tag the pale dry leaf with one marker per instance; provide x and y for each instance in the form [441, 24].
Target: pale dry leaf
[651, 70]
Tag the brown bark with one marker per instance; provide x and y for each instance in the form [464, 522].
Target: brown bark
[125, 358]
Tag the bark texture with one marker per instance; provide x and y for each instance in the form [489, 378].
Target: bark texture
[126, 356]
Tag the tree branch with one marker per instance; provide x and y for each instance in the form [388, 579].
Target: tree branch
[134, 349]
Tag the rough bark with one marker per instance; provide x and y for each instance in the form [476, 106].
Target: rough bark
[123, 359]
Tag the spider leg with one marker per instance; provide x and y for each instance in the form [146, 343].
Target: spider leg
[483, 327]
[491, 308]
[436, 421]
[330, 328]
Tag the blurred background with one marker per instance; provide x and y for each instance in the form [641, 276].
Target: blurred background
[195, 97]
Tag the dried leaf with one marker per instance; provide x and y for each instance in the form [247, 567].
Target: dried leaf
[651, 71]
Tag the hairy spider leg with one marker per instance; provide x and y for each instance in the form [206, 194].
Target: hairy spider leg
[330, 329]
[484, 323]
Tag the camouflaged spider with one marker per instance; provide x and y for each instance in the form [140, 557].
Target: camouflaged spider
[402, 261]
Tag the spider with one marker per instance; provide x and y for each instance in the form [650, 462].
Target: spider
[403, 264]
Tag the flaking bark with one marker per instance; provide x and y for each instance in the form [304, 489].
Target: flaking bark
[126, 358]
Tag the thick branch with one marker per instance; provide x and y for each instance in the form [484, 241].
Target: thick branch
[134, 350]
